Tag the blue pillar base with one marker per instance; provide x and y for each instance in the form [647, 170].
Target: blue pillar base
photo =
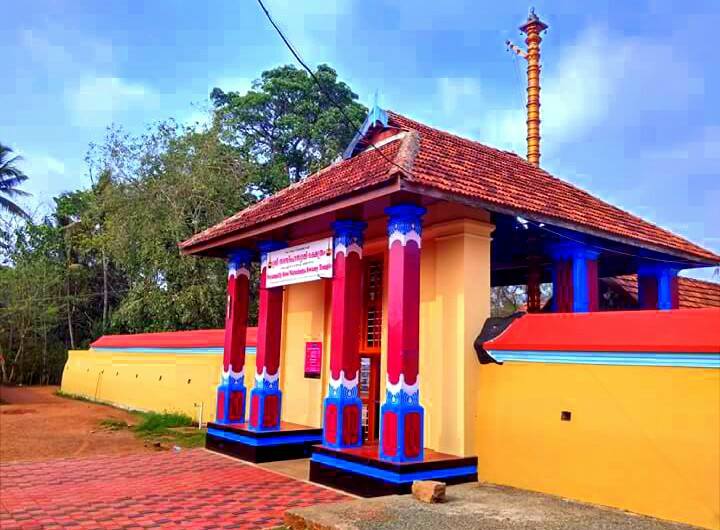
[230, 403]
[342, 422]
[265, 408]
[401, 430]
[290, 442]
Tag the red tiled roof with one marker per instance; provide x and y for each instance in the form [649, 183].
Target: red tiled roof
[199, 338]
[614, 331]
[457, 166]
[692, 293]
[360, 172]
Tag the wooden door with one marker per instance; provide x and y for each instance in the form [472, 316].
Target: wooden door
[371, 336]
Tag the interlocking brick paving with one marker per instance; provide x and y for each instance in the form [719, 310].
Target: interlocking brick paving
[188, 489]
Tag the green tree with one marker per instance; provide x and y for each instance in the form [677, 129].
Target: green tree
[10, 178]
[286, 123]
[181, 181]
[106, 259]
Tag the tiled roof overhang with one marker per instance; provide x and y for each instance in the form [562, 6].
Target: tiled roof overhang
[434, 163]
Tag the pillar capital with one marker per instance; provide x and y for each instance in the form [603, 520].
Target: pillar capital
[405, 218]
[657, 269]
[267, 246]
[572, 249]
[348, 236]
[239, 261]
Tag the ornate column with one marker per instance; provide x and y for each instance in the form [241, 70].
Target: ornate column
[343, 407]
[657, 286]
[402, 417]
[575, 278]
[231, 392]
[265, 398]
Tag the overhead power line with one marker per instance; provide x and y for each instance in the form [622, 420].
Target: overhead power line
[353, 126]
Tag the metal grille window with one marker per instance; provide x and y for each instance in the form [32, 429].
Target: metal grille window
[373, 306]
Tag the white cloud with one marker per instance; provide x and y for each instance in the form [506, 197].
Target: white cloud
[97, 101]
[598, 81]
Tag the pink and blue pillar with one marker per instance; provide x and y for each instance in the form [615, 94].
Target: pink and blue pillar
[231, 392]
[402, 417]
[265, 397]
[575, 278]
[657, 286]
[342, 425]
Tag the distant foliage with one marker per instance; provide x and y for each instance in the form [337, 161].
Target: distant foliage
[106, 260]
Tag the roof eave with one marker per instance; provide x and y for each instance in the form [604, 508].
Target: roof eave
[213, 246]
[437, 193]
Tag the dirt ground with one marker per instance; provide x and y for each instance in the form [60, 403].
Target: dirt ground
[35, 424]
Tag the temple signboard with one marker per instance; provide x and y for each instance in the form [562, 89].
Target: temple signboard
[301, 263]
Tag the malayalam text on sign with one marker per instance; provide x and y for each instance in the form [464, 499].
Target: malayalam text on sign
[301, 263]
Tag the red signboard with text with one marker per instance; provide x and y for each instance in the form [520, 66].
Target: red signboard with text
[313, 359]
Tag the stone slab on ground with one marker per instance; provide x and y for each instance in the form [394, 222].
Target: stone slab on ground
[471, 506]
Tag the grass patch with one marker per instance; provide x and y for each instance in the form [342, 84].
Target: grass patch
[157, 423]
[169, 429]
[76, 397]
[113, 424]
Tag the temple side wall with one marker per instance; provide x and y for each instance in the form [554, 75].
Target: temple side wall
[644, 439]
[172, 382]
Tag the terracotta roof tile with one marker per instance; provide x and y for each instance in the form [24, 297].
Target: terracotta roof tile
[462, 166]
[449, 163]
[692, 293]
[360, 172]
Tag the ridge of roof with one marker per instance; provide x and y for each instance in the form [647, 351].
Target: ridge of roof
[462, 167]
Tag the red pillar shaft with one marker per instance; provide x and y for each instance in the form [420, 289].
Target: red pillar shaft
[343, 407]
[266, 398]
[231, 392]
[401, 434]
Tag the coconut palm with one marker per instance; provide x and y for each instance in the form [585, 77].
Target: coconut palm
[10, 178]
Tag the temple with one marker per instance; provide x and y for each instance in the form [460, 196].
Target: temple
[378, 270]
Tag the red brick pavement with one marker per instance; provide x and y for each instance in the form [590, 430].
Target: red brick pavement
[189, 489]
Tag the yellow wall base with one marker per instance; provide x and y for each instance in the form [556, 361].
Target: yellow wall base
[173, 382]
[645, 439]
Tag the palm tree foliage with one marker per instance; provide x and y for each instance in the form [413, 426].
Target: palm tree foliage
[10, 178]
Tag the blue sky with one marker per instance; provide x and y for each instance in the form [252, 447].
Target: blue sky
[628, 108]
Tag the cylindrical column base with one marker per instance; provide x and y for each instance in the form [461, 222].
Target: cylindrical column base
[265, 406]
[401, 434]
[230, 402]
[342, 425]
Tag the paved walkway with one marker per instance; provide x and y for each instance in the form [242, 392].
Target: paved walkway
[187, 489]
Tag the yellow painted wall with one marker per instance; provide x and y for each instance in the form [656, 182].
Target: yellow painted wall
[645, 439]
[455, 301]
[147, 381]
